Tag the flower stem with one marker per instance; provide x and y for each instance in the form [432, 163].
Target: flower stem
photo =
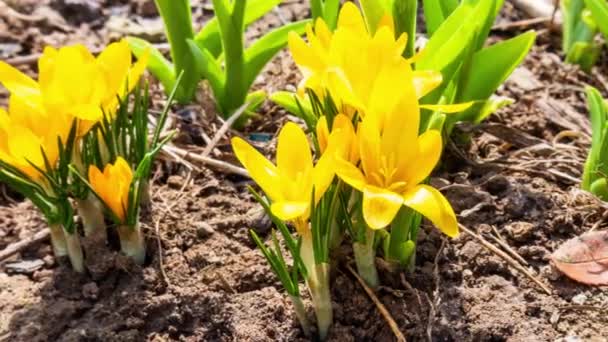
[298, 306]
[132, 242]
[58, 240]
[74, 251]
[321, 299]
[145, 200]
[365, 258]
[91, 212]
[317, 279]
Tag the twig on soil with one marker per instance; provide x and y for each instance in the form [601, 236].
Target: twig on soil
[499, 240]
[521, 24]
[409, 286]
[597, 224]
[20, 245]
[207, 161]
[161, 264]
[538, 8]
[505, 257]
[381, 308]
[436, 299]
[225, 126]
[582, 307]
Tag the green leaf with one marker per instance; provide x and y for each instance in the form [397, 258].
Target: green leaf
[208, 68]
[435, 13]
[598, 115]
[177, 18]
[262, 50]
[571, 16]
[491, 66]
[599, 11]
[288, 101]
[404, 16]
[331, 9]
[584, 54]
[209, 36]
[373, 10]
[158, 65]
[490, 106]
[454, 37]
[230, 18]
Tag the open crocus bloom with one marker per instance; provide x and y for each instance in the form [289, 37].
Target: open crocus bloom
[289, 185]
[73, 83]
[394, 161]
[359, 69]
[112, 186]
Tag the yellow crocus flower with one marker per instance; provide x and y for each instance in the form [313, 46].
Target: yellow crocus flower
[363, 72]
[289, 184]
[112, 186]
[72, 83]
[394, 161]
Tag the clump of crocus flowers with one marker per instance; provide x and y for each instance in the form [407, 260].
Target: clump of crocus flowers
[359, 99]
[59, 130]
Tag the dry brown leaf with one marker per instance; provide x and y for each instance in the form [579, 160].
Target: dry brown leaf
[584, 258]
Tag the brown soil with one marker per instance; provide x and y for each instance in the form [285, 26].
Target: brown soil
[206, 281]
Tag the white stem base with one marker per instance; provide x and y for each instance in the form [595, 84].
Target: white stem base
[75, 251]
[60, 248]
[132, 243]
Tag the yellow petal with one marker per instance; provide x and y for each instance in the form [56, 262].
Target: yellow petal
[429, 202]
[345, 138]
[350, 174]
[380, 206]
[115, 61]
[287, 211]
[87, 111]
[350, 18]
[453, 108]
[262, 171]
[17, 82]
[322, 133]
[387, 21]
[302, 54]
[429, 151]
[425, 81]
[323, 33]
[323, 174]
[369, 141]
[137, 70]
[293, 152]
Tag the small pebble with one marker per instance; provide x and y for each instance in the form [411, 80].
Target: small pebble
[203, 229]
[90, 291]
[42, 274]
[175, 181]
[579, 299]
[49, 260]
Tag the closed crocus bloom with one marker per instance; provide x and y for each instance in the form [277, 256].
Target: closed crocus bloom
[394, 161]
[112, 186]
[289, 184]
